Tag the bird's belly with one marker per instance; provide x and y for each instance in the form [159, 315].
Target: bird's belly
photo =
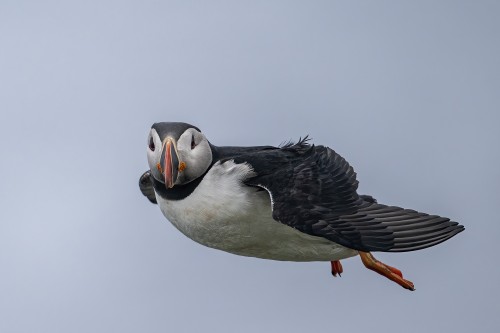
[239, 220]
[268, 239]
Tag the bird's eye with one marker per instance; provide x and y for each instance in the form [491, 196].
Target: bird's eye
[151, 144]
[193, 144]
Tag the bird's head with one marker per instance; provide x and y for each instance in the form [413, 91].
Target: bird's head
[177, 153]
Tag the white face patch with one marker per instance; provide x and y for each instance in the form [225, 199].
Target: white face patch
[154, 147]
[194, 150]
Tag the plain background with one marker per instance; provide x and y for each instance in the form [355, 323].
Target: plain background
[406, 91]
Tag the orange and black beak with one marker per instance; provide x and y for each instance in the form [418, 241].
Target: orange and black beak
[169, 162]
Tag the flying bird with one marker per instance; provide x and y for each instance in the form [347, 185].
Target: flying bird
[296, 202]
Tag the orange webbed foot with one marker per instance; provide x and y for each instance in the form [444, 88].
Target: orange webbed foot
[336, 268]
[389, 272]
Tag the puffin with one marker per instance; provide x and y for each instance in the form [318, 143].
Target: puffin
[295, 202]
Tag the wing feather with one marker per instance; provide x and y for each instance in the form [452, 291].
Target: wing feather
[146, 187]
[314, 190]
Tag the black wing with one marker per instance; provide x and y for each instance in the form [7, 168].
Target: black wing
[146, 187]
[313, 189]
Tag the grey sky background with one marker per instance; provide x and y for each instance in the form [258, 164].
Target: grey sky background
[407, 91]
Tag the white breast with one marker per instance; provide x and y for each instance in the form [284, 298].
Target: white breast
[225, 214]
